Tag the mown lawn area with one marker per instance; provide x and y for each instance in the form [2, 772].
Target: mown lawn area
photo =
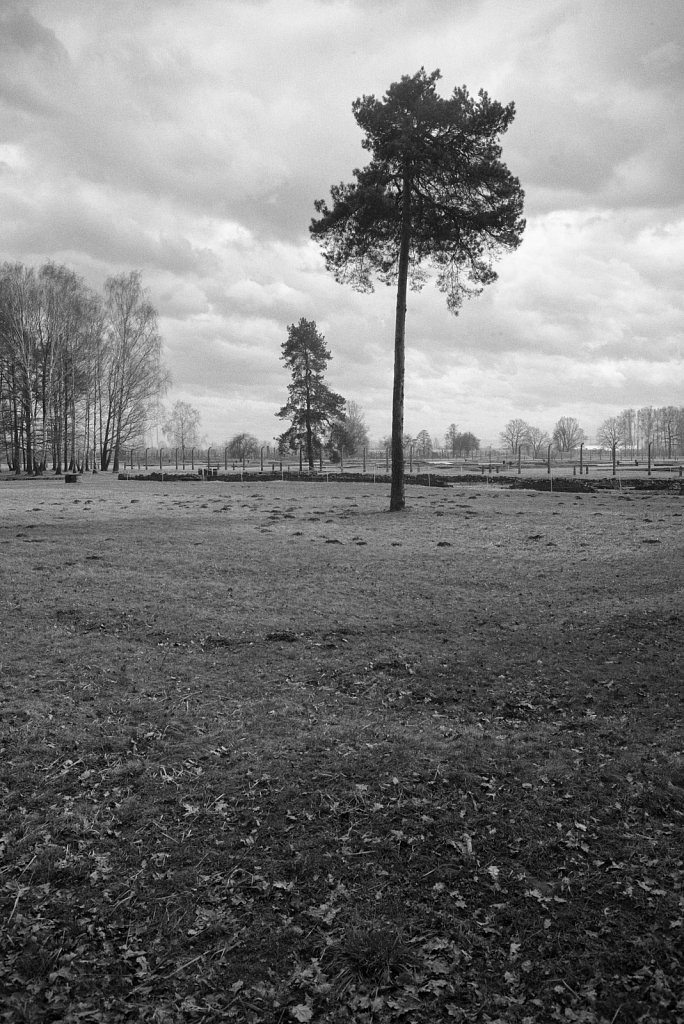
[269, 753]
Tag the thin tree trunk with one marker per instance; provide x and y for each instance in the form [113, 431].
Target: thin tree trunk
[74, 453]
[86, 436]
[28, 426]
[309, 434]
[307, 415]
[397, 493]
[16, 432]
[65, 435]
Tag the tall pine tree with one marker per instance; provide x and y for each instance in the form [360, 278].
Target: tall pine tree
[434, 192]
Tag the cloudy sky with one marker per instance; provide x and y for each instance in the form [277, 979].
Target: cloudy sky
[189, 139]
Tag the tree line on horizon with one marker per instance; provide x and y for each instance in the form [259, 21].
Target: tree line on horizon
[81, 373]
[632, 430]
[82, 378]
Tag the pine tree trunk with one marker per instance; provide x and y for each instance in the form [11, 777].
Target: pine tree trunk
[397, 493]
[309, 433]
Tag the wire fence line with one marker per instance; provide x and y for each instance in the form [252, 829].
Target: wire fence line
[372, 468]
[373, 461]
[485, 462]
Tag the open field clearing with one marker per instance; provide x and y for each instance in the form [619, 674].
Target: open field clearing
[269, 754]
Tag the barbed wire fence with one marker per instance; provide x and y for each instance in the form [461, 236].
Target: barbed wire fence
[211, 461]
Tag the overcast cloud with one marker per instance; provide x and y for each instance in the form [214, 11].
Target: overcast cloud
[189, 139]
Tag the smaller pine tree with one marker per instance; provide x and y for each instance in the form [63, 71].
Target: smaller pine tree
[311, 406]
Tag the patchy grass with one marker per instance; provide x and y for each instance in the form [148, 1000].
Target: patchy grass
[268, 753]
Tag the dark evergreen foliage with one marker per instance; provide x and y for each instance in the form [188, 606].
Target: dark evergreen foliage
[311, 406]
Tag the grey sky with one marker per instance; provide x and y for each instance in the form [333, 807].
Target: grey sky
[189, 139]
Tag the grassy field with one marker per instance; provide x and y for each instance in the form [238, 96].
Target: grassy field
[269, 754]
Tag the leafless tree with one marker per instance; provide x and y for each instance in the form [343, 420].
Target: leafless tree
[538, 441]
[450, 438]
[567, 434]
[515, 434]
[243, 446]
[349, 433]
[182, 425]
[134, 375]
[611, 433]
[423, 444]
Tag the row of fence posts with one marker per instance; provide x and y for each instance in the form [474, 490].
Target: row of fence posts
[584, 468]
[134, 456]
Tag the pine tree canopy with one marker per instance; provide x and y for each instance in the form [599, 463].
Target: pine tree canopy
[442, 158]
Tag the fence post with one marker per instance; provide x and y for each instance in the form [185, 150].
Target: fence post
[364, 460]
[161, 450]
[581, 456]
[650, 444]
[192, 457]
